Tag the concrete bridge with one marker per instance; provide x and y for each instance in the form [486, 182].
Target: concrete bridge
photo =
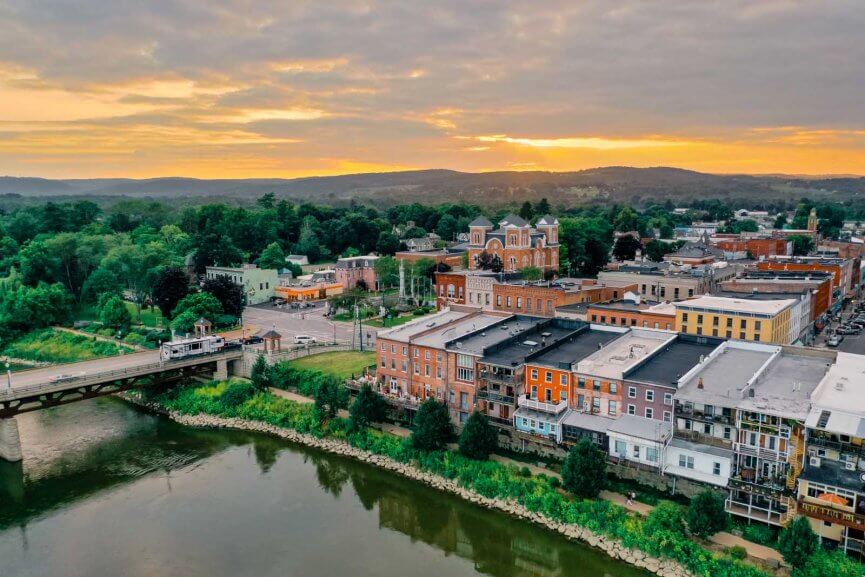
[36, 389]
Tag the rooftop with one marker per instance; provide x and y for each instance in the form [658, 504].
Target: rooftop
[622, 354]
[405, 332]
[674, 360]
[701, 448]
[588, 421]
[738, 305]
[784, 388]
[576, 347]
[437, 339]
[567, 284]
[838, 403]
[517, 328]
[642, 428]
[834, 474]
[723, 376]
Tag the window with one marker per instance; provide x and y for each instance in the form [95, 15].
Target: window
[426, 354]
[635, 451]
[757, 325]
[404, 367]
[756, 337]
[730, 322]
[652, 454]
[649, 413]
[728, 432]
[426, 370]
[668, 417]
[699, 319]
[612, 408]
[383, 347]
[508, 302]
[548, 395]
[596, 385]
[650, 395]
[684, 317]
[715, 321]
[416, 352]
[416, 369]
[534, 374]
[548, 376]
[632, 392]
[668, 399]
[716, 468]
[632, 409]
[596, 404]
[581, 383]
[621, 448]
[498, 300]
[384, 362]
[614, 388]
[438, 373]
[519, 302]
[707, 429]
[743, 323]
[465, 368]
[686, 462]
[563, 379]
[464, 401]
[525, 422]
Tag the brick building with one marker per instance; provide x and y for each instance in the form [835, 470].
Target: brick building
[355, 270]
[516, 243]
[633, 313]
[543, 297]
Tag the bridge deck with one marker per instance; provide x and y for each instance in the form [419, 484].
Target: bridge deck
[44, 380]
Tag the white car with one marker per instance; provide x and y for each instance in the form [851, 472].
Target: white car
[304, 340]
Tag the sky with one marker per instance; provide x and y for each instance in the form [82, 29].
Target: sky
[241, 88]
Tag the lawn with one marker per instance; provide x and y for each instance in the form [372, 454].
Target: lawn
[151, 317]
[388, 323]
[48, 346]
[342, 364]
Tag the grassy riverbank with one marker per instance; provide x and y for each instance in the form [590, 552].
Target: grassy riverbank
[342, 364]
[50, 346]
[537, 493]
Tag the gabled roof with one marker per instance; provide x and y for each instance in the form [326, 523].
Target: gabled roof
[481, 221]
[513, 220]
[547, 219]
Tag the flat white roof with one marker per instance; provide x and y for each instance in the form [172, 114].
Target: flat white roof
[731, 304]
[438, 338]
[840, 397]
[618, 356]
[405, 332]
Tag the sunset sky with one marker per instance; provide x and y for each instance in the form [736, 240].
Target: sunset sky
[227, 89]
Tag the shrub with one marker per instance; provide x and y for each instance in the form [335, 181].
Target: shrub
[525, 472]
[760, 534]
[260, 374]
[134, 339]
[555, 482]
[433, 428]
[797, 542]
[736, 552]
[706, 514]
[667, 516]
[584, 472]
[236, 393]
[114, 313]
[330, 397]
[829, 564]
[478, 438]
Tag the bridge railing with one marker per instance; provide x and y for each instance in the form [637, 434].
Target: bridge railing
[93, 378]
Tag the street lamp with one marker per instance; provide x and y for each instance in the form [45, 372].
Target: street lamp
[8, 375]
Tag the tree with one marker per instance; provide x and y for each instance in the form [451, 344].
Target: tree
[626, 247]
[260, 374]
[626, 220]
[387, 271]
[531, 273]
[596, 257]
[543, 207]
[387, 243]
[485, 260]
[496, 264]
[797, 542]
[584, 472]
[478, 438]
[526, 211]
[272, 257]
[706, 514]
[101, 281]
[447, 227]
[367, 408]
[656, 249]
[330, 397]
[169, 288]
[136, 267]
[24, 308]
[802, 244]
[433, 428]
[780, 221]
[193, 307]
[229, 294]
[114, 313]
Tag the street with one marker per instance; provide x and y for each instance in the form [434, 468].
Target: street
[852, 343]
[292, 322]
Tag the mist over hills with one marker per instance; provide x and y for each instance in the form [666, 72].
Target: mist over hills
[606, 184]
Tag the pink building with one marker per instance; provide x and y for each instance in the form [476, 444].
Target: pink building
[357, 269]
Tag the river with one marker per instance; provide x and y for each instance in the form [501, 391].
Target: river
[108, 490]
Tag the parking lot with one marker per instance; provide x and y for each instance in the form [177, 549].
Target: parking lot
[307, 321]
[851, 343]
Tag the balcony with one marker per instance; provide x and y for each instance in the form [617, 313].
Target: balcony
[501, 422]
[705, 417]
[848, 448]
[553, 408]
[697, 437]
[832, 515]
[499, 378]
[770, 487]
[760, 452]
[495, 397]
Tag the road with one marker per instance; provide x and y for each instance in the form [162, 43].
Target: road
[43, 375]
[292, 322]
[851, 343]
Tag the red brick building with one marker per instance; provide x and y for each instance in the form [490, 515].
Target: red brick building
[516, 243]
[542, 298]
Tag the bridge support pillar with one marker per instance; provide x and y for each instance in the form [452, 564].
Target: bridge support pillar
[10, 441]
[221, 373]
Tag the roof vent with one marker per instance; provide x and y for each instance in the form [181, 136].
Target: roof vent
[700, 383]
[751, 393]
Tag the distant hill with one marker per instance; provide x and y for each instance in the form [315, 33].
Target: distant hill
[615, 183]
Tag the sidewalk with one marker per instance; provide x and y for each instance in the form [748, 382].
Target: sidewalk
[723, 538]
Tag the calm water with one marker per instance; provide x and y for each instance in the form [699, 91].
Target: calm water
[106, 490]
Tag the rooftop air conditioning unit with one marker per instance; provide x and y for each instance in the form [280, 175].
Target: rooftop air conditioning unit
[850, 466]
[814, 461]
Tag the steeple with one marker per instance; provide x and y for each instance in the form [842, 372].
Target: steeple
[812, 220]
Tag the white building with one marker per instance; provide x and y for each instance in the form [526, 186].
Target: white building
[258, 284]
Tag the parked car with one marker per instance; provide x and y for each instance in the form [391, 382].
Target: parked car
[304, 340]
[848, 331]
[253, 340]
[834, 340]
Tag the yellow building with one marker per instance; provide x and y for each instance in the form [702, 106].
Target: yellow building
[764, 321]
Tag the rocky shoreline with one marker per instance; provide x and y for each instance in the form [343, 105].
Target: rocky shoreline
[612, 547]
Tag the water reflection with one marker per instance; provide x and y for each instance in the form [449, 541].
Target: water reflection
[156, 479]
